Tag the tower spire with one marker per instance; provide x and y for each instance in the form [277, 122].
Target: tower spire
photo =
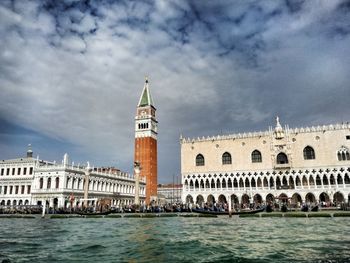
[146, 98]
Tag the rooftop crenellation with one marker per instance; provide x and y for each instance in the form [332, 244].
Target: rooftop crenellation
[319, 128]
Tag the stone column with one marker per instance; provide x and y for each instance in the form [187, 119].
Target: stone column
[229, 201]
[86, 185]
[137, 169]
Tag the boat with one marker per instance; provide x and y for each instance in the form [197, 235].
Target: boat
[212, 212]
[87, 213]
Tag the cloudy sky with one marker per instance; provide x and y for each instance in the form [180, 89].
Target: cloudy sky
[72, 72]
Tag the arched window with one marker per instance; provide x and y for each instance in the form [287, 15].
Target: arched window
[48, 183]
[282, 158]
[226, 158]
[57, 182]
[309, 153]
[343, 154]
[199, 160]
[256, 157]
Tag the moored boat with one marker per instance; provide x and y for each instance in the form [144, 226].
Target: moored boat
[212, 212]
[87, 213]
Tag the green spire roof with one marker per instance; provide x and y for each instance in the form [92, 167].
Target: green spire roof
[146, 98]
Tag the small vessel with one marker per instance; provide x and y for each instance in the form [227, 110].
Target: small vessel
[212, 212]
[88, 213]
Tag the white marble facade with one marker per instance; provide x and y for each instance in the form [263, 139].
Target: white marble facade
[303, 165]
[29, 181]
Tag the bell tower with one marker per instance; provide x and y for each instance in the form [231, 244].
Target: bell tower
[146, 142]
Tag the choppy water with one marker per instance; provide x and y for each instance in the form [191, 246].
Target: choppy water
[175, 240]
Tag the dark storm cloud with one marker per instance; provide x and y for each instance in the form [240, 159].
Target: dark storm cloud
[72, 71]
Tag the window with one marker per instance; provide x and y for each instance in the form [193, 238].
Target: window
[2, 171]
[5, 190]
[24, 170]
[11, 188]
[41, 183]
[28, 189]
[199, 160]
[31, 170]
[57, 182]
[256, 157]
[16, 189]
[282, 158]
[48, 183]
[13, 171]
[309, 153]
[343, 154]
[8, 171]
[226, 158]
[22, 189]
[19, 171]
[348, 137]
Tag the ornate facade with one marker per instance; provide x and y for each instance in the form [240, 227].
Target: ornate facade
[146, 131]
[299, 165]
[29, 181]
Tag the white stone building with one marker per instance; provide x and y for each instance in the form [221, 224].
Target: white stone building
[29, 181]
[169, 193]
[309, 165]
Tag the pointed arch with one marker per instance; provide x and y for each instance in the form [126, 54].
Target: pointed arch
[218, 184]
[265, 183]
[241, 183]
[210, 200]
[259, 182]
[229, 183]
[325, 180]
[222, 199]
[199, 200]
[304, 181]
[339, 179]
[270, 198]
[291, 182]
[223, 183]
[189, 199]
[247, 184]
[235, 183]
[310, 198]
[252, 182]
[212, 184]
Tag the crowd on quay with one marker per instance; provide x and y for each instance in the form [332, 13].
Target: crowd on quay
[174, 207]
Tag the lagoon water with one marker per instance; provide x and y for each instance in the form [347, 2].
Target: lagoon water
[175, 239]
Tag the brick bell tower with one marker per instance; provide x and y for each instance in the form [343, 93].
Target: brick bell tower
[146, 142]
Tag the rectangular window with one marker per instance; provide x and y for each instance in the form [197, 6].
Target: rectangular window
[28, 189]
[11, 188]
[5, 190]
[348, 137]
[19, 171]
[31, 170]
[2, 171]
[13, 171]
[16, 189]
[22, 189]
[8, 171]
[24, 170]
[0, 189]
